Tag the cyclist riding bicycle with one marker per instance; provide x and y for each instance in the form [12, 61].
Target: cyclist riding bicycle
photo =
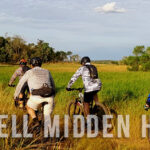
[19, 72]
[92, 83]
[147, 105]
[42, 89]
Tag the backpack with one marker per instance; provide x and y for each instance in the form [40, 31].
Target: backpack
[93, 71]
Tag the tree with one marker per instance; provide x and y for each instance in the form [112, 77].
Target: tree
[138, 50]
[60, 56]
[124, 60]
[3, 55]
[141, 60]
[148, 50]
[12, 49]
[75, 58]
[18, 46]
[144, 58]
[2, 42]
[42, 50]
[145, 66]
[133, 61]
[69, 53]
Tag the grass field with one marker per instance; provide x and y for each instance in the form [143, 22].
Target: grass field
[123, 91]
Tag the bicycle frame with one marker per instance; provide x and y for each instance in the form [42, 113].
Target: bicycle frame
[80, 99]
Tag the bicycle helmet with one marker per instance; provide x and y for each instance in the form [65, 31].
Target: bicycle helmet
[36, 61]
[23, 62]
[85, 60]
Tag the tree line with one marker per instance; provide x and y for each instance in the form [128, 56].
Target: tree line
[12, 49]
[140, 60]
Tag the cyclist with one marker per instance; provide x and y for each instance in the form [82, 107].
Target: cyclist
[42, 89]
[92, 83]
[147, 105]
[19, 72]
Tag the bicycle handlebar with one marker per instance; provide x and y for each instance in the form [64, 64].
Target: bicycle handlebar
[76, 89]
[11, 85]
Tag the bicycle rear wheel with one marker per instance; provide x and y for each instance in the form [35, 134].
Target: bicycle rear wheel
[113, 121]
[99, 110]
[74, 108]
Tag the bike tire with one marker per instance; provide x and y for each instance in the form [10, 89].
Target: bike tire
[113, 120]
[107, 111]
[99, 110]
[77, 110]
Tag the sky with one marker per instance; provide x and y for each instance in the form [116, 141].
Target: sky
[100, 29]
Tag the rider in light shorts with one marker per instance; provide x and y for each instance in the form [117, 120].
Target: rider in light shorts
[41, 87]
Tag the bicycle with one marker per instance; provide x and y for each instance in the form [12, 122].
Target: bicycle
[76, 107]
[146, 108]
[21, 104]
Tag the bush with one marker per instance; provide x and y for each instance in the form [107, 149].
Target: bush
[134, 67]
[115, 62]
[146, 66]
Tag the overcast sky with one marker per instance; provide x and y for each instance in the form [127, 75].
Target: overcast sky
[101, 29]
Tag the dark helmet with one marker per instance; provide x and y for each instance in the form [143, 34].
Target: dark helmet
[23, 62]
[85, 60]
[36, 61]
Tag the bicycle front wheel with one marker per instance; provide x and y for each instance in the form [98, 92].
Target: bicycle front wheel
[74, 108]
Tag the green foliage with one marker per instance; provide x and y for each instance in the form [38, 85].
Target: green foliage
[75, 58]
[2, 42]
[115, 62]
[140, 60]
[133, 62]
[144, 58]
[102, 61]
[3, 55]
[148, 50]
[146, 66]
[138, 50]
[12, 49]
[125, 92]
[134, 67]
[117, 86]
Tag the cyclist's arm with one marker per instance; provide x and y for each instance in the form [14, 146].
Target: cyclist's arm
[52, 82]
[21, 83]
[14, 76]
[75, 77]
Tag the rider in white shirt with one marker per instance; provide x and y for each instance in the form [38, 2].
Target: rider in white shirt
[91, 85]
[37, 78]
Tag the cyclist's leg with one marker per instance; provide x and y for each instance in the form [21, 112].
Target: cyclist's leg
[95, 98]
[86, 109]
[34, 122]
[18, 102]
[23, 94]
[32, 106]
[24, 88]
[88, 97]
[31, 112]
[48, 107]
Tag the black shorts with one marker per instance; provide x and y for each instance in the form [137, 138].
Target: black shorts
[88, 97]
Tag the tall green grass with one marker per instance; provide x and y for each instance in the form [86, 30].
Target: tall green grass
[126, 92]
